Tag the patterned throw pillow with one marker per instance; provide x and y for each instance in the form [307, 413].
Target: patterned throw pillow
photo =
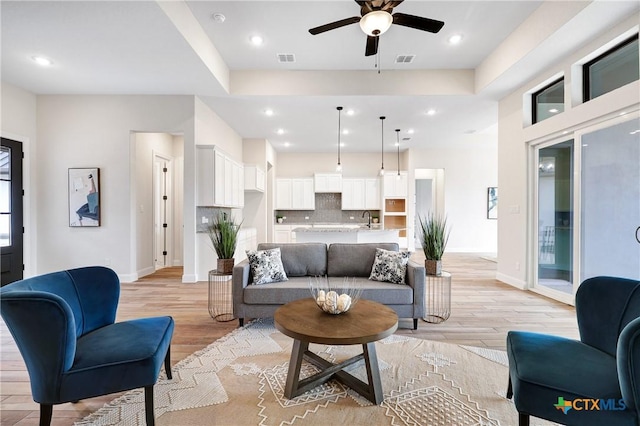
[390, 266]
[266, 266]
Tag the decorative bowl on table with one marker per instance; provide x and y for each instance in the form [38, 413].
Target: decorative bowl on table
[335, 295]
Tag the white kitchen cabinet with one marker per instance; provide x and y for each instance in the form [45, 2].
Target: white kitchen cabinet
[282, 234]
[295, 194]
[328, 182]
[302, 195]
[254, 178]
[283, 194]
[394, 186]
[360, 194]
[353, 194]
[372, 194]
[219, 179]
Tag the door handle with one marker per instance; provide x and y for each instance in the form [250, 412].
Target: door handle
[638, 234]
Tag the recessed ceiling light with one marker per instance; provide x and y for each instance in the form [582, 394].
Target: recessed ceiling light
[268, 112]
[280, 131]
[455, 39]
[411, 131]
[41, 60]
[345, 132]
[350, 112]
[256, 40]
[286, 144]
[623, 112]
[431, 112]
[396, 144]
[218, 17]
[342, 144]
[554, 110]
[565, 132]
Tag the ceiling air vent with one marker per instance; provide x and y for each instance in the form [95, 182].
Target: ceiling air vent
[285, 58]
[406, 139]
[405, 59]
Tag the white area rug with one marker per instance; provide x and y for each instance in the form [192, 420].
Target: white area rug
[239, 380]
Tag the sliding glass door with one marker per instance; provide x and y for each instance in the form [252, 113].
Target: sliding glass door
[555, 217]
[587, 208]
[610, 201]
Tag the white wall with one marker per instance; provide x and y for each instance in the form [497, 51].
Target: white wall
[514, 265]
[255, 212]
[292, 164]
[95, 131]
[468, 172]
[18, 122]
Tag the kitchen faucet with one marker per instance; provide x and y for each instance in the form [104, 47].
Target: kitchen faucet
[365, 212]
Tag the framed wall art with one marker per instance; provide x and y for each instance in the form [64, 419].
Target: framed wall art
[492, 202]
[84, 197]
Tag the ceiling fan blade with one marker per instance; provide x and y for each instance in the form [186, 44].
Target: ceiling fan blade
[390, 4]
[372, 46]
[417, 22]
[334, 25]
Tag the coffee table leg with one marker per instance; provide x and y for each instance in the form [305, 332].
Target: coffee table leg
[373, 372]
[297, 353]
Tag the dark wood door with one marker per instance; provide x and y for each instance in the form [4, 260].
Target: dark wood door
[11, 227]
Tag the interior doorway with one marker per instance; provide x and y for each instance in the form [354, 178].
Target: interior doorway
[157, 172]
[429, 197]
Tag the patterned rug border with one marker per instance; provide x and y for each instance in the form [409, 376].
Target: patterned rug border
[135, 396]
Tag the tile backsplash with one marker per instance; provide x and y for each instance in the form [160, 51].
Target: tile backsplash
[328, 210]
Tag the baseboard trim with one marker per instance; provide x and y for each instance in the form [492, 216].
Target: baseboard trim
[189, 278]
[515, 282]
[128, 278]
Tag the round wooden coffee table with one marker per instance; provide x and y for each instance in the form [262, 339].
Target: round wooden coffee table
[363, 324]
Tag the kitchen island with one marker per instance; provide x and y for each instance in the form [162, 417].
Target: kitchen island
[330, 235]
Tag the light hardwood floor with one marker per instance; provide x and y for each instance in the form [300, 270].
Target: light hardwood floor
[482, 311]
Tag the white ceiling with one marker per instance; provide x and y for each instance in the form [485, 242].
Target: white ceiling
[134, 47]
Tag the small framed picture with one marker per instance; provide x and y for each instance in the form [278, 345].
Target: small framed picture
[492, 202]
[84, 197]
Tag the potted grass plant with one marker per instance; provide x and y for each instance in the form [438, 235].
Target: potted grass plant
[223, 233]
[434, 235]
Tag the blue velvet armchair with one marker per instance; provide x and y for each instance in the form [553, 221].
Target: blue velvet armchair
[593, 381]
[64, 325]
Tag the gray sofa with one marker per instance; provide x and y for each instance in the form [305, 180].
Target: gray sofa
[304, 260]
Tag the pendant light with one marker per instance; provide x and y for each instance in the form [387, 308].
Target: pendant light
[382, 145]
[339, 165]
[398, 145]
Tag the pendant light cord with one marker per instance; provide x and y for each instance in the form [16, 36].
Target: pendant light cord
[339, 113]
[398, 145]
[382, 143]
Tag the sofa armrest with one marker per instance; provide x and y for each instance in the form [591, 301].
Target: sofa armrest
[417, 280]
[241, 279]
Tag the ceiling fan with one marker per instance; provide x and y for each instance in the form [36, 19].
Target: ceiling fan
[376, 17]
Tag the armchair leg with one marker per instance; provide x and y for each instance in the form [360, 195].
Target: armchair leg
[148, 406]
[415, 323]
[241, 322]
[167, 363]
[509, 389]
[46, 411]
[523, 419]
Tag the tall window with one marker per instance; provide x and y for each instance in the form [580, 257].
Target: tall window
[548, 101]
[612, 69]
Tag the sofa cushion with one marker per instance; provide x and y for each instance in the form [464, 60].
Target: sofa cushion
[354, 260]
[301, 259]
[298, 288]
[390, 266]
[266, 266]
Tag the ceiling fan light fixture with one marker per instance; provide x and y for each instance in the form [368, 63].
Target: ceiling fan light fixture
[376, 23]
